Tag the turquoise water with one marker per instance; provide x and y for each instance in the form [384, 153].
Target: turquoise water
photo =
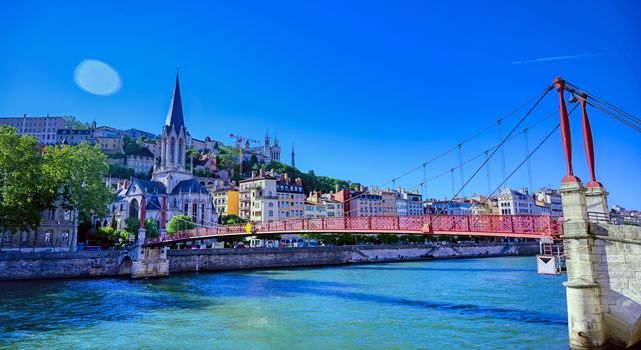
[491, 303]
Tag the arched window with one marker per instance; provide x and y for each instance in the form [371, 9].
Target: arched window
[181, 161]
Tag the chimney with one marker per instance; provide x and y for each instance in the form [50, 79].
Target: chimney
[286, 177]
[262, 172]
[337, 188]
[253, 173]
[299, 181]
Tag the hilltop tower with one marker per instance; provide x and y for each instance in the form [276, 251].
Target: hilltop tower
[293, 157]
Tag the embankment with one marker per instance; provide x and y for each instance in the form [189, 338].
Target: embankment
[23, 266]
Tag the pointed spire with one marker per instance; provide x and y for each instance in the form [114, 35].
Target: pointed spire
[293, 157]
[175, 115]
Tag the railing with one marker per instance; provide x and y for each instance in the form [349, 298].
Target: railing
[611, 218]
[497, 225]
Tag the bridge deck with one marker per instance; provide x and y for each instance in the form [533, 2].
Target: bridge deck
[522, 226]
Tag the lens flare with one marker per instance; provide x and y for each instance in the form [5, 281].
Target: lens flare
[97, 77]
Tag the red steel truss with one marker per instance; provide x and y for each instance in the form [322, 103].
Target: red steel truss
[521, 226]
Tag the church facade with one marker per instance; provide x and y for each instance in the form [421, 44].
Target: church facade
[172, 189]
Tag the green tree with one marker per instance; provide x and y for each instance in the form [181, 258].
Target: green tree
[113, 237]
[78, 174]
[24, 190]
[72, 123]
[179, 223]
[230, 219]
[120, 172]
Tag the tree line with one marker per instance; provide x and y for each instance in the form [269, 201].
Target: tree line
[35, 178]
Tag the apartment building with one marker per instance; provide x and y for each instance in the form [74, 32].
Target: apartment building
[226, 201]
[258, 198]
[512, 202]
[314, 210]
[74, 136]
[333, 208]
[291, 197]
[142, 164]
[42, 128]
[408, 203]
[110, 144]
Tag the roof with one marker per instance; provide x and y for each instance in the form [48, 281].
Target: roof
[190, 185]
[259, 177]
[73, 132]
[149, 186]
[175, 115]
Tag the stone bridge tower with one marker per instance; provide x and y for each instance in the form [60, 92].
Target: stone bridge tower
[603, 260]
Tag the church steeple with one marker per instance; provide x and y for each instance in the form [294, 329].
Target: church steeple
[175, 116]
[173, 141]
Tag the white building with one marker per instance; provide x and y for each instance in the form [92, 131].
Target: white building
[42, 128]
[551, 200]
[258, 198]
[513, 202]
[411, 203]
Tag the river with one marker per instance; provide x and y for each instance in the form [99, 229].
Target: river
[489, 303]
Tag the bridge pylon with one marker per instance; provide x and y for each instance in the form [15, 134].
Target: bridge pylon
[148, 261]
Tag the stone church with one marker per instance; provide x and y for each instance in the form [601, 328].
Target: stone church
[172, 189]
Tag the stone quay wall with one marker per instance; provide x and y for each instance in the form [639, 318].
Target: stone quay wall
[23, 266]
[253, 258]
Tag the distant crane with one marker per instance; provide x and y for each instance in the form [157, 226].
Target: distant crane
[239, 143]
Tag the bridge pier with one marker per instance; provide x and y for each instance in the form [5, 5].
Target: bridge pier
[148, 261]
[585, 315]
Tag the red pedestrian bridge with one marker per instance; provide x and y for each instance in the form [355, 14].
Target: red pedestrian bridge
[518, 226]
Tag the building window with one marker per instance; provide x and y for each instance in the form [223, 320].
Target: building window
[6, 238]
[48, 237]
[65, 236]
[24, 239]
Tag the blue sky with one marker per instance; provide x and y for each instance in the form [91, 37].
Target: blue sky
[366, 90]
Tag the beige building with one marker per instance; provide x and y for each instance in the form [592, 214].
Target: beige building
[365, 204]
[258, 198]
[109, 144]
[42, 128]
[56, 233]
[332, 207]
[315, 210]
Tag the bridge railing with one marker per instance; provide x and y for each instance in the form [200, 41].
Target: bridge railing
[465, 224]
